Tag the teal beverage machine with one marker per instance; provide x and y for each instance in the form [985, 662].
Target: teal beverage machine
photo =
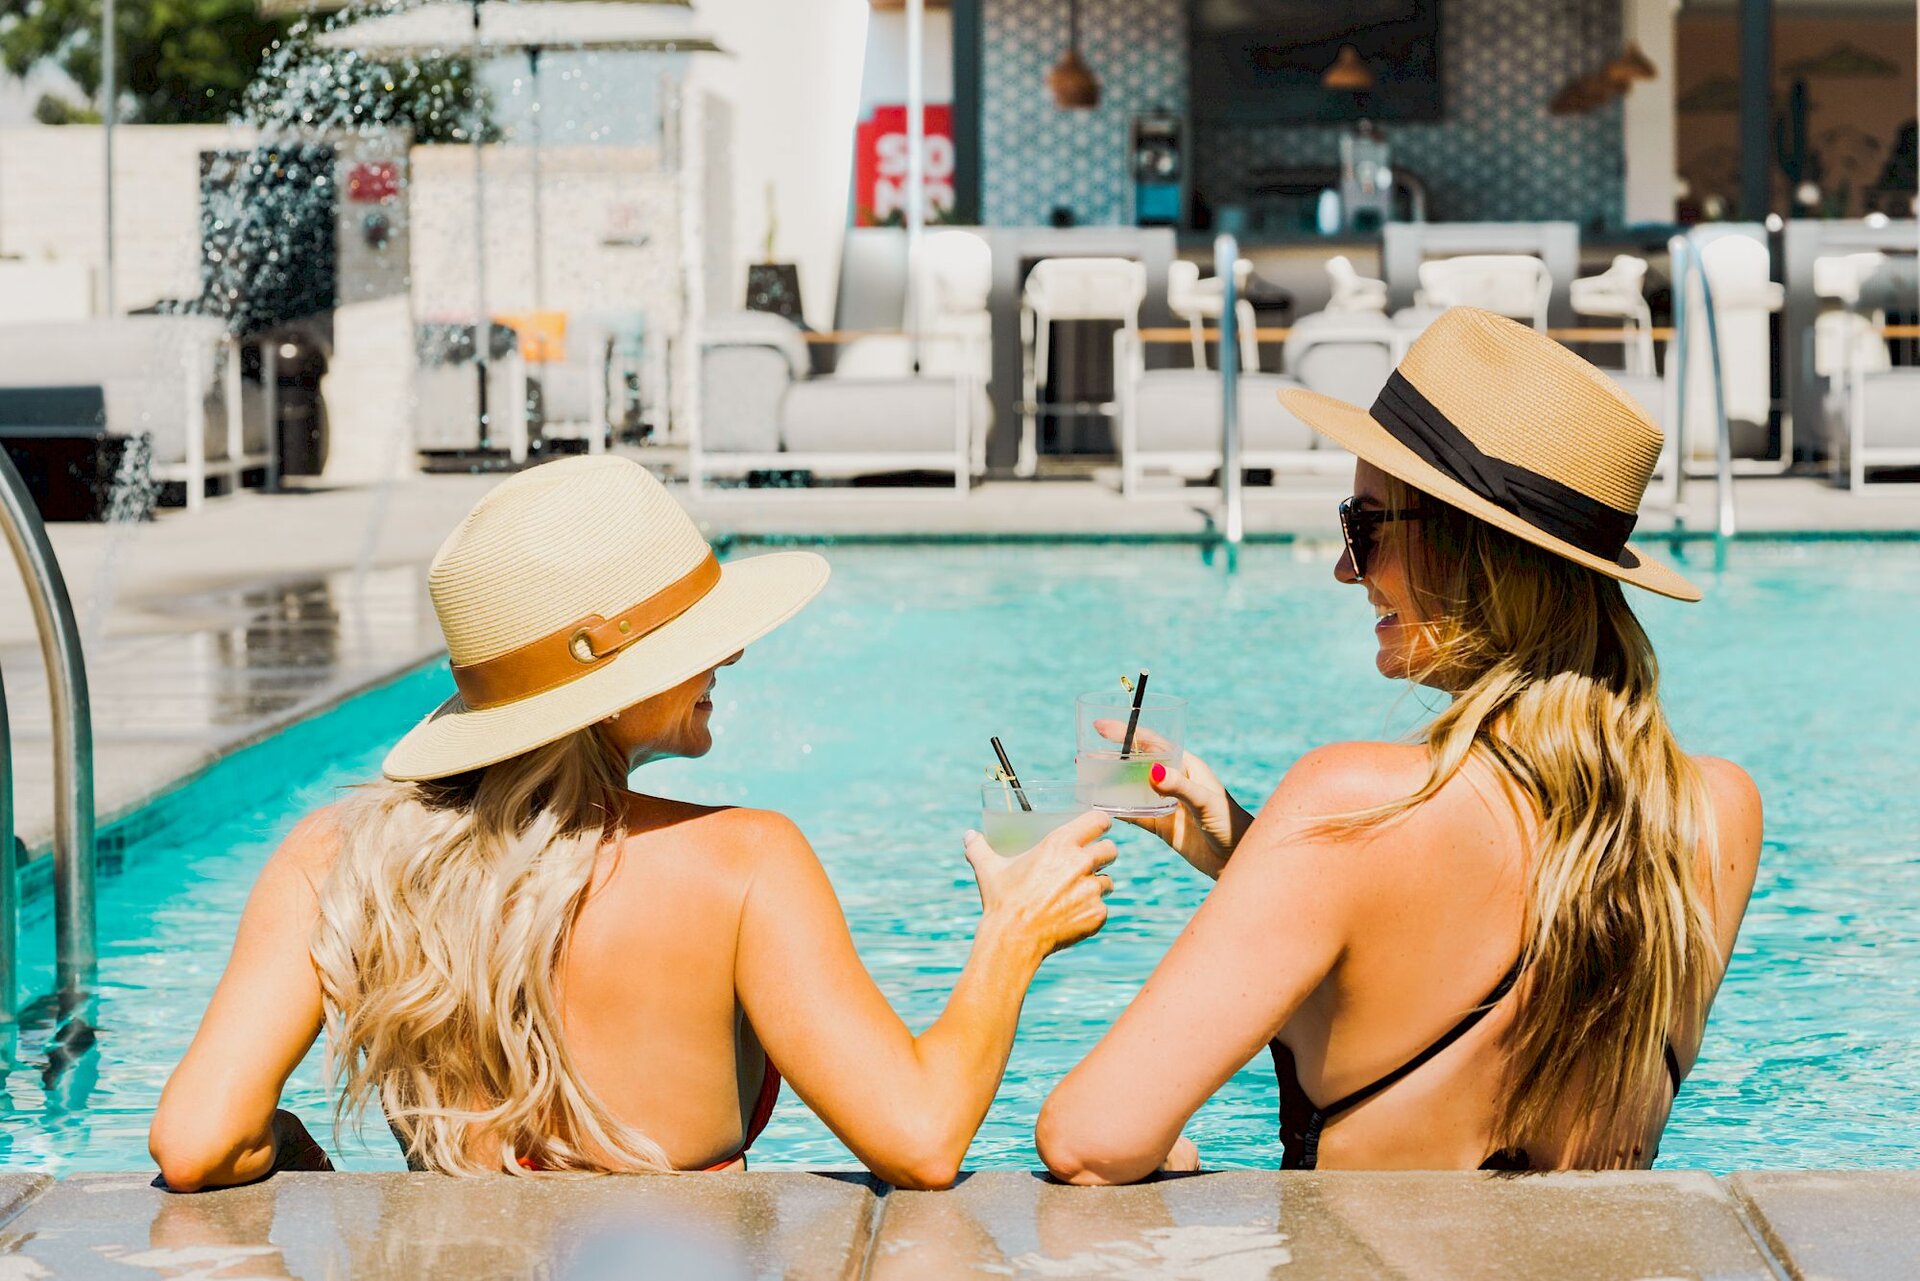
[1159, 170]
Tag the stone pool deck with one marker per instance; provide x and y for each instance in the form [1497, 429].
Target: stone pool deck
[1234, 1226]
[207, 631]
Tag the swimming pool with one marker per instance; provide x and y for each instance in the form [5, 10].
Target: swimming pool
[867, 720]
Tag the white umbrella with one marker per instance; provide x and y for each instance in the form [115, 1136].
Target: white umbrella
[492, 28]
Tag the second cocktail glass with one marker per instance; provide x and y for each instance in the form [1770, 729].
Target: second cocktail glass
[1114, 777]
[1012, 830]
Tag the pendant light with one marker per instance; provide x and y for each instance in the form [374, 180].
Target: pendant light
[1073, 83]
[1349, 73]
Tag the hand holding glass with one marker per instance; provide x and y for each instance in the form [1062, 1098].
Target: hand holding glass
[1118, 781]
[1012, 830]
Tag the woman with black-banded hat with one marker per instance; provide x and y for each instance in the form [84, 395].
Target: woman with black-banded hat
[529, 967]
[1495, 947]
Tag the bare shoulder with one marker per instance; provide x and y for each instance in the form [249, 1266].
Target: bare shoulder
[1738, 812]
[735, 836]
[309, 850]
[1343, 777]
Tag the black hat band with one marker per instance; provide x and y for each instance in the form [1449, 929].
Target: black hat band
[1545, 503]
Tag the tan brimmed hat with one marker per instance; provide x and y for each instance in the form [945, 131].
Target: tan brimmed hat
[575, 590]
[1506, 424]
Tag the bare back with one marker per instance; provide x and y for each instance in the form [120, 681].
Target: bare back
[647, 984]
[1441, 926]
[1356, 951]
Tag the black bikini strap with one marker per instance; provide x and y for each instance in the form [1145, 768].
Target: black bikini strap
[1447, 1038]
[1673, 1067]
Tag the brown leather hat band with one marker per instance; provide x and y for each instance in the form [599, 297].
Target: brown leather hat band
[580, 647]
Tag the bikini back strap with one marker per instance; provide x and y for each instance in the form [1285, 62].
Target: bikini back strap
[1452, 1034]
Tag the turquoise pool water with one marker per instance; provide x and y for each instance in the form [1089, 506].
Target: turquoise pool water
[867, 720]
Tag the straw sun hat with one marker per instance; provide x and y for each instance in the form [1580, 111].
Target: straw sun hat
[1506, 424]
[572, 591]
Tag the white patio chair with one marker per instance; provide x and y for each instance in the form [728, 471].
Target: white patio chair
[1737, 266]
[1197, 301]
[1617, 294]
[1068, 289]
[1513, 285]
[1353, 291]
[1874, 406]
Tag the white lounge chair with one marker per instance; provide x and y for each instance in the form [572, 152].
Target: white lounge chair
[175, 378]
[760, 411]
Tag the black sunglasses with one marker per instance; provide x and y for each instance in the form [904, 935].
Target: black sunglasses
[1360, 528]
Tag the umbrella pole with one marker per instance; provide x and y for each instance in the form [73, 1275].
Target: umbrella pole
[916, 175]
[482, 327]
[539, 229]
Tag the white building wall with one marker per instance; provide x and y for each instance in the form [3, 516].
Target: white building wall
[794, 79]
[52, 197]
[1648, 141]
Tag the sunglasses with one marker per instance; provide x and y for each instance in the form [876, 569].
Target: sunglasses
[1360, 528]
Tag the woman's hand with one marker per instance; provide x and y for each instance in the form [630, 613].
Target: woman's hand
[1206, 822]
[1055, 893]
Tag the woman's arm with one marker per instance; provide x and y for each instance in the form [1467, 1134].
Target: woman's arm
[1263, 941]
[215, 1125]
[907, 1105]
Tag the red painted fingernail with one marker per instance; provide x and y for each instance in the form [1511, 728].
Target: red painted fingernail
[1159, 774]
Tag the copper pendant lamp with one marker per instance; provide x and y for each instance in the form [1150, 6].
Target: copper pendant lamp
[1349, 73]
[1072, 81]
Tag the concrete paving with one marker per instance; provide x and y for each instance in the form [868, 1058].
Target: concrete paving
[1230, 1226]
[1825, 1224]
[1324, 1225]
[804, 1226]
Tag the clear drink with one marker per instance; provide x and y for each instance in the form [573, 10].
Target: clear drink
[1012, 830]
[1123, 784]
[1113, 774]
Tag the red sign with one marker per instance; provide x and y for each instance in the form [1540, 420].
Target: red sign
[880, 166]
[370, 184]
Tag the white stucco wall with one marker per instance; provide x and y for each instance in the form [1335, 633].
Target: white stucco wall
[794, 82]
[1647, 116]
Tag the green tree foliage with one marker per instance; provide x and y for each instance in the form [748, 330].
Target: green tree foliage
[181, 61]
[211, 61]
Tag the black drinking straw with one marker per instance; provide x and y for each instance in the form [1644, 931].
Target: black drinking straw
[1133, 717]
[1013, 779]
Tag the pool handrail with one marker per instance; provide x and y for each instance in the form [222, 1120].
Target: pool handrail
[75, 958]
[1226, 258]
[9, 873]
[1684, 253]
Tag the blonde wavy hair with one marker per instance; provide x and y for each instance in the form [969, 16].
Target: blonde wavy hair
[448, 908]
[1556, 688]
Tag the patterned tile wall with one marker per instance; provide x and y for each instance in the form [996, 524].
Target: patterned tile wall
[1034, 156]
[1495, 154]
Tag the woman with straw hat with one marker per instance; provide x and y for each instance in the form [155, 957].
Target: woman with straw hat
[531, 968]
[1495, 947]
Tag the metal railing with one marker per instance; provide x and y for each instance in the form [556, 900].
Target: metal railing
[73, 817]
[1688, 265]
[1226, 256]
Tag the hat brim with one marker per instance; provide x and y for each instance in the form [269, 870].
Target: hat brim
[754, 596]
[1356, 430]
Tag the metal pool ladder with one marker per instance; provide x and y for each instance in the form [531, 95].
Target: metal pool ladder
[1226, 256]
[1684, 253]
[73, 816]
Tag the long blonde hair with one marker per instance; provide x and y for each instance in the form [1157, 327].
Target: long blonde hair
[1556, 688]
[441, 926]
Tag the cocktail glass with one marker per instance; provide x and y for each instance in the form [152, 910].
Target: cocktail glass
[1117, 779]
[1012, 830]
